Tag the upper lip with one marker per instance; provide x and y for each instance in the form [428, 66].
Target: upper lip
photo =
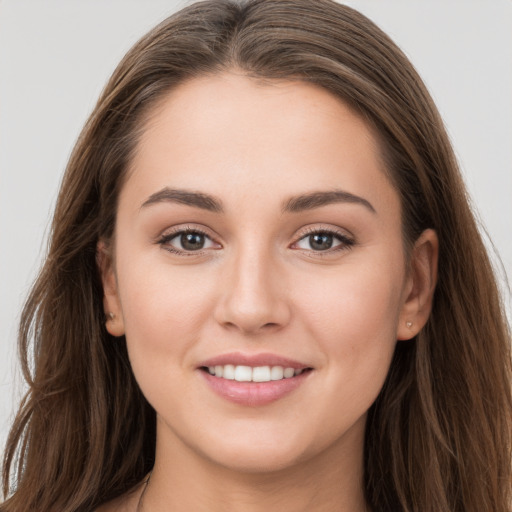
[254, 360]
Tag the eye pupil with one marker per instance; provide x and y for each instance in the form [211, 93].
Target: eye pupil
[192, 241]
[320, 241]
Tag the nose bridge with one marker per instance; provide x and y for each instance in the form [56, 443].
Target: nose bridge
[253, 298]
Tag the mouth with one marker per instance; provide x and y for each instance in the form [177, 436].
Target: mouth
[254, 379]
[243, 373]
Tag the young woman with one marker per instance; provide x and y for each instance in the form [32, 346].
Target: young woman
[265, 289]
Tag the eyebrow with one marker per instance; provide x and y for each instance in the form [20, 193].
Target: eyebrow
[318, 199]
[189, 198]
[295, 204]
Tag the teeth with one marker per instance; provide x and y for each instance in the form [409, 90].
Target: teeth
[288, 372]
[243, 373]
[276, 373]
[228, 372]
[261, 374]
[250, 374]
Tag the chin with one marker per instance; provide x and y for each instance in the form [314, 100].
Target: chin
[264, 451]
[257, 460]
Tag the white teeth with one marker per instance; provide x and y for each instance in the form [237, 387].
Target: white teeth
[276, 373]
[243, 373]
[229, 372]
[288, 372]
[261, 374]
[249, 374]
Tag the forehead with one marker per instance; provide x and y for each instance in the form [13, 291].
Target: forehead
[272, 137]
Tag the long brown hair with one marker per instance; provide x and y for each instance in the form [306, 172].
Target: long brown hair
[438, 438]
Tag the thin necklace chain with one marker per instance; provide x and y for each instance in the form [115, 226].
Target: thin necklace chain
[141, 499]
[139, 503]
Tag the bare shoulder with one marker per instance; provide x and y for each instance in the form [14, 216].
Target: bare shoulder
[127, 502]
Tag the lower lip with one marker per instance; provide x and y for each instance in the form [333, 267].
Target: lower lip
[254, 393]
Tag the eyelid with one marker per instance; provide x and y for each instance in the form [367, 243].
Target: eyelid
[347, 240]
[175, 231]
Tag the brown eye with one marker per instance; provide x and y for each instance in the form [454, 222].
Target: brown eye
[187, 241]
[192, 241]
[324, 241]
[321, 241]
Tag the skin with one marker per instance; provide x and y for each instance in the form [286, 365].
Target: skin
[259, 286]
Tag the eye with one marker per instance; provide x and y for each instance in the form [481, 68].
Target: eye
[187, 241]
[323, 241]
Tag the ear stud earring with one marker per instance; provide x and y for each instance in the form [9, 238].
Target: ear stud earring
[111, 315]
[408, 324]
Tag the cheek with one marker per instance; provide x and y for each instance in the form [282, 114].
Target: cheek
[353, 316]
[164, 308]
[352, 319]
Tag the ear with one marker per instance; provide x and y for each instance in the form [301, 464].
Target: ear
[112, 305]
[420, 285]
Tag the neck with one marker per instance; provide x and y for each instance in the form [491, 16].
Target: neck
[183, 480]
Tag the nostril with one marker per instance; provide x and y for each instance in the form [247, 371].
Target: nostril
[252, 307]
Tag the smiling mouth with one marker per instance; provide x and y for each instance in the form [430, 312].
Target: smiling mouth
[242, 373]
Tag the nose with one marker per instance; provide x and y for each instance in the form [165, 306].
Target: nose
[254, 298]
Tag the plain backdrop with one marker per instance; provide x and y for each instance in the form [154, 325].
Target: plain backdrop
[56, 55]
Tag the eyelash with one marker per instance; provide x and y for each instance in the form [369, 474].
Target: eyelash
[346, 241]
[164, 240]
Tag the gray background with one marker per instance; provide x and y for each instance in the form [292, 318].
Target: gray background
[55, 56]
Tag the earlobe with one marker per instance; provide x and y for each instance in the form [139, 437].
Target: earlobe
[114, 321]
[420, 286]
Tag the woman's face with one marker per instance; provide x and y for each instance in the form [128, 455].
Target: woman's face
[257, 229]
